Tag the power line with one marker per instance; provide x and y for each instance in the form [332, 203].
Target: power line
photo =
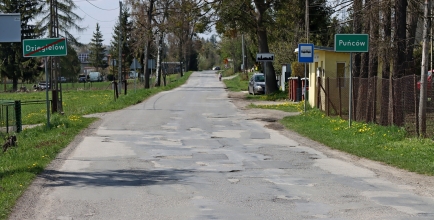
[102, 8]
[95, 18]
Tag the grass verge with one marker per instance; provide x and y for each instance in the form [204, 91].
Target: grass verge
[387, 144]
[38, 146]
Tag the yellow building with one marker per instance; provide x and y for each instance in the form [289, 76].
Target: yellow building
[327, 64]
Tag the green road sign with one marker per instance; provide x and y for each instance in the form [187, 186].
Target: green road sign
[351, 42]
[44, 47]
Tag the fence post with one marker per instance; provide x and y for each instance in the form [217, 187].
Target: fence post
[340, 97]
[318, 100]
[18, 121]
[416, 110]
[374, 105]
[327, 96]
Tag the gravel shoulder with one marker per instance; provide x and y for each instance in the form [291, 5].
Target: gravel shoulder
[420, 184]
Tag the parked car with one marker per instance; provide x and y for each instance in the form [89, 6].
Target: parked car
[257, 84]
[62, 79]
[43, 85]
[216, 68]
[82, 79]
[95, 77]
[429, 81]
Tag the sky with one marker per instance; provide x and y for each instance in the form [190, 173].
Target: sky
[104, 12]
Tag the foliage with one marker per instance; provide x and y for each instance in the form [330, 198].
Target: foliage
[125, 26]
[66, 19]
[297, 69]
[97, 49]
[12, 63]
[70, 64]
[208, 55]
[231, 49]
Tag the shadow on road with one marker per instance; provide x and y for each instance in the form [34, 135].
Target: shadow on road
[114, 178]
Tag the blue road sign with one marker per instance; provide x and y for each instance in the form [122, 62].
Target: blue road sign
[305, 53]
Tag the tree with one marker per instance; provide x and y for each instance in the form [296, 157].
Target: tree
[97, 49]
[58, 19]
[12, 63]
[208, 55]
[232, 48]
[70, 64]
[257, 17]
[125, 25]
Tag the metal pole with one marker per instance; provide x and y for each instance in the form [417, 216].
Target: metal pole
[46, 93]
[120, 49]
[242, 45]
[350, 99]
[135, 77]
[304, 86]
[265, 77]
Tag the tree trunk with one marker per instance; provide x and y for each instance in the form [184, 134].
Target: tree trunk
[357, 29]
[270, 82]
[385, 58]
[261, 31]
[411, 36]
[362, 101]
[399, 64]
[148, 45]
[373, 60]
[159, 59]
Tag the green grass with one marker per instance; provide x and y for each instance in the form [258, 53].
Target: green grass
[38, 146]
[388, 144]
[236, 84]
[286, 106]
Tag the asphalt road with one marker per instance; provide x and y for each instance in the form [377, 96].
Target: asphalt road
[190, 153]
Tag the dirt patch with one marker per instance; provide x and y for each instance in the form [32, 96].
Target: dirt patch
[420, 184]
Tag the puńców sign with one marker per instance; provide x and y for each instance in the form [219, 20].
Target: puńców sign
[351, 42]
[44, 47]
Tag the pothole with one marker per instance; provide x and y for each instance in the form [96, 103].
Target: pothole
[275, 126]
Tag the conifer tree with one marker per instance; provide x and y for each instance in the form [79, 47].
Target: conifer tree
[97, 49]
[126, 27]
[12, 63]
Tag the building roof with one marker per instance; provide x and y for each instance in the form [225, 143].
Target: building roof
[318, 48]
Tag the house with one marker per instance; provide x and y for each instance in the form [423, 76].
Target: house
[327, 64]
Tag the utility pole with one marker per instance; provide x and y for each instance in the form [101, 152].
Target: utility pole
[54, 62]
[424, 70]
[120, 50]
[305, 64]
[307, 21]
[242, 49]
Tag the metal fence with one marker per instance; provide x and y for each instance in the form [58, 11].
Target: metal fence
[10, 116]
[377, 100]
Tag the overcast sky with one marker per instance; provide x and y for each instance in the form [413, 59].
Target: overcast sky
[104, 12]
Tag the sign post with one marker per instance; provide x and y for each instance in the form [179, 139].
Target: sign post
[351, 43]
[305, 55]
[45, 47]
